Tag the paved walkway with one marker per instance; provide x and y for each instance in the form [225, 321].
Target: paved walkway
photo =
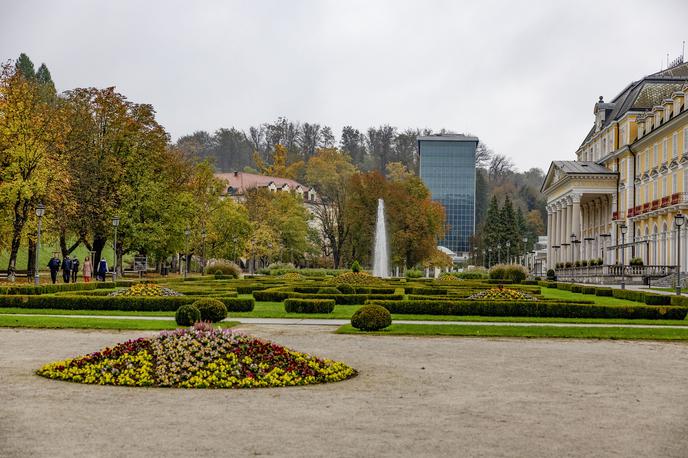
[340, 322]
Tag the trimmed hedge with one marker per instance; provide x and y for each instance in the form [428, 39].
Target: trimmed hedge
[576, 288]
[629, 295]
[607, 292]
[588, 290]
[26, 290]
[187, 315]
[657, 299]
[534, 309]
[211, 310]
[371, 318]
[125, 303]
[309, 305]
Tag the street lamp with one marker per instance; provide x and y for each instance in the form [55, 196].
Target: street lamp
[484, 258]
[499, 253]
[574, 241]
[489, 258]
[203, 234]
[678, 222]
[623, 228]
[508, 245]
[115, 223]
[40, 211]
[525, 249]
[187, 233]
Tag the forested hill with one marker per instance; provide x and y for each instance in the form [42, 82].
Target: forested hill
[371, 149]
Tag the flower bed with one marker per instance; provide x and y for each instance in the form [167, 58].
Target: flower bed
[501, 294]
[199, 357]
[147, 290]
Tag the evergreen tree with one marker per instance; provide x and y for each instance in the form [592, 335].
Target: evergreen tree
[25, 67]
[510, 231]
[522, 231]
[492, 229]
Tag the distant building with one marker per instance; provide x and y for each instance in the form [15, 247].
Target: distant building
[447, 167]
[240, 182]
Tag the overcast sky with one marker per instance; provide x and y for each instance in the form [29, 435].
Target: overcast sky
[523, 76]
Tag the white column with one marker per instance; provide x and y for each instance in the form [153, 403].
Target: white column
[550, 242]
[576, 226]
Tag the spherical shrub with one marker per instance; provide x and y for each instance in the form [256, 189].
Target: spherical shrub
[329, 290]
[187, 315]
[226, 268]
[371, 318]
[355, 267]
[211, 310]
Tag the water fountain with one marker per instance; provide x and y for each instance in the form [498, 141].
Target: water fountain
[381, 255]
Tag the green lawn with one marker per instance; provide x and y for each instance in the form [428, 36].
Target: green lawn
[525, 331]
[554, 293]
[47, 252]
[91, 323]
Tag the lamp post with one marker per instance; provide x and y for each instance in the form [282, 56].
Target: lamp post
[525, 248]
[115, 223]
[40, 211]
[489, 258]
[499, 253]
[623, 228]
[508, 246]
[604, 237]
[484, 259]
[187, 233]
[574, 240]
[678, 222]
[203, 234]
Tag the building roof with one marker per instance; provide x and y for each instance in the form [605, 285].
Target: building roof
[240, 182]
[448, 138]
[643, 95]
[582, 167]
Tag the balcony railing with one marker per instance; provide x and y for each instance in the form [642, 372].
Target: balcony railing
[655, 204]
[665, 201]
[630, 212]
[612, 273]
[647, 206]
[615, 216]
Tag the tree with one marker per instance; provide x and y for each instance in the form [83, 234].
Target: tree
[229, 230]
[329, 172]
[353, 144]
[279, 165]
[25, 67]
[31, 132]
[380, 144]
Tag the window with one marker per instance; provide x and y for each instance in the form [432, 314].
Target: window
[674, 145]
[685, 140]
[654, 154]
[647, 160]
[623, 136]
[665, 149]
[664, 187]
[623, 168]
[647, 192]
[655, 194]
[674, 183]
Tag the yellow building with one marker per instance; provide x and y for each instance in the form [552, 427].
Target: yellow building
[631, 172]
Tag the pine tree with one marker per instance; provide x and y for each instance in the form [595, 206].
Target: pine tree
[510, 231]
[25, 67]
[492, 229]
[45, 81]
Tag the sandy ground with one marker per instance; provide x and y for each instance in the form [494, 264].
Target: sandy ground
[413, 397]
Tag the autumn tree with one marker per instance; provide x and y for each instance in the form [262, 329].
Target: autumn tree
[31, 148]
[329, 172]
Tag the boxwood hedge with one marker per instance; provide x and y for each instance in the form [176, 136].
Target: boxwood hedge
[309, 305]
[126, 303]
[533, 309]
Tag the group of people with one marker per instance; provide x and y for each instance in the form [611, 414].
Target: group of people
[70, 269]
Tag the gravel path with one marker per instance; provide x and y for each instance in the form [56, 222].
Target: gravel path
[413, 397]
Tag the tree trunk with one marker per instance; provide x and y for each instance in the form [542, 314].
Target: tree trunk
[20, 213]
[31, 261]
[63, 244]
[98, 245]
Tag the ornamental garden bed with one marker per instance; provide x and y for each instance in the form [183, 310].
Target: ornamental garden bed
[198, 357]
[128, 303]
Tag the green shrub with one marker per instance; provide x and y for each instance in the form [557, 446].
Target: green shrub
[187, 315]
[211, 310]
[629, 295]
[588, 290]
[657, 299]
[514, 272]
[576, 289]
[328, 290]
[603, 292]
[271, 295]
[226, 269]
[549, 309]
[345, 288]
[355, 267]
[309, 305]
[679, 300]
[564, 286]
[471, 275]
[414, 273]
[371, 318]
[636, 262]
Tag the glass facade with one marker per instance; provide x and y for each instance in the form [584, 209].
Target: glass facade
[447, 167]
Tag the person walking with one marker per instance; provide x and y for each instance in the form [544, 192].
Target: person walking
[88, 269]
[75, 269]
[54, 266]
[102, 269]
[66, 269]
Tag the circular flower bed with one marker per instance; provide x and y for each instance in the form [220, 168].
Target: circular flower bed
[502, 294]
[198, 357]
[145, 289]
[447, 278]
[355, 278]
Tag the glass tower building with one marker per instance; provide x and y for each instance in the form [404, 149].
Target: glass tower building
[447, 167]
